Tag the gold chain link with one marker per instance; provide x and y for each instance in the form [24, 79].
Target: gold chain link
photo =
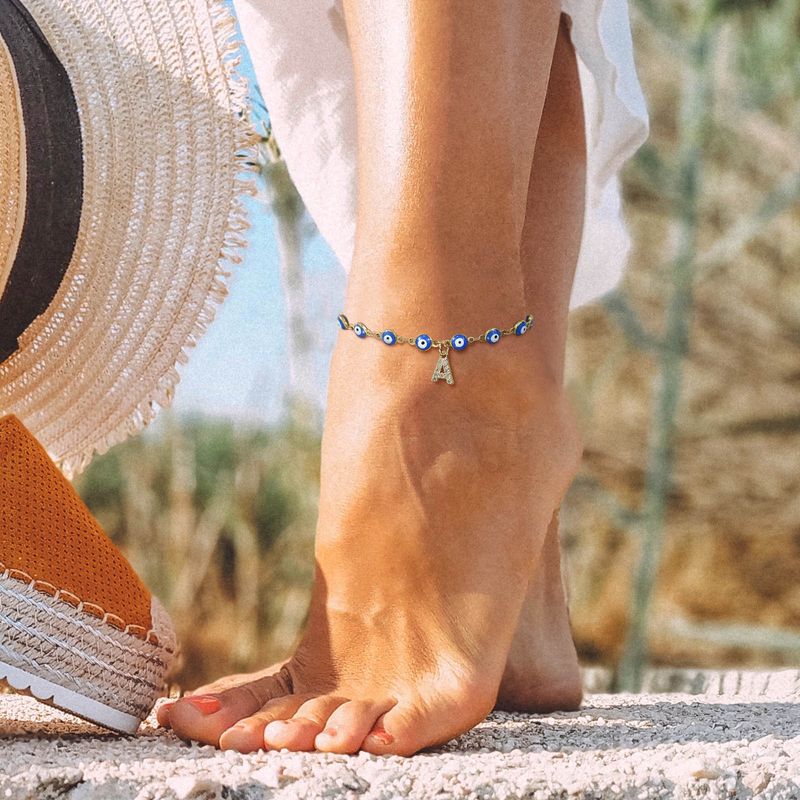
[435, 342]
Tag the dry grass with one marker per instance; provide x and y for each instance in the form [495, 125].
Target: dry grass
[219, 521]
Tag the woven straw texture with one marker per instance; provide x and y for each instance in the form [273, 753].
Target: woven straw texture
[49, 536]
[164, 122]
[52, 640]
[12, 187]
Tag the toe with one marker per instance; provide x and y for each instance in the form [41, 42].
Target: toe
[410, 726]
[399, 732]
[247, 735]
[204, 717]
[162, 713]
[349, 724]
[216, 688]
[300, 732]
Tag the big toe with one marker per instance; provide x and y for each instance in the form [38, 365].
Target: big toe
[204, 717]
[162, 713]
[217, 687]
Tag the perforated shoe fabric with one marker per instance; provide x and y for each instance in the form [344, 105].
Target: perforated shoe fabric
[78, 628]
[47, 533]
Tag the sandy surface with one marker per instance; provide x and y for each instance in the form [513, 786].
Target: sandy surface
[740, 738]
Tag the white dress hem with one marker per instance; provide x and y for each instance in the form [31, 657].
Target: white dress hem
[304, 68]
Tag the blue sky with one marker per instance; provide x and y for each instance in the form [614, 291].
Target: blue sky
[240, 368]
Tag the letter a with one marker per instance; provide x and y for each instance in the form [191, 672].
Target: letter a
[442, 371]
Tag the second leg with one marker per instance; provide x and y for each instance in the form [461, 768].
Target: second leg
[542, 672]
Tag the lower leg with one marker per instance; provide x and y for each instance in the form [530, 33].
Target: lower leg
[554, 215]
[542, 671]
[434, 499]
[449, 105]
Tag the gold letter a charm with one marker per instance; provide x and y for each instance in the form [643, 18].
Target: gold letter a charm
[443, 371]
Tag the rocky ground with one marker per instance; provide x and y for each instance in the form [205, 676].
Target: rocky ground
[738, 738]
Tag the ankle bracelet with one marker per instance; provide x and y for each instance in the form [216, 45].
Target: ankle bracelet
[423, 342]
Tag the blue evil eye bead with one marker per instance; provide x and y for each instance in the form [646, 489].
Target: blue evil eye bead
[344, 324]
[493, 335]
[423, 342]
[459, 341]
[389, 337]
[521, 327]
[360, 330]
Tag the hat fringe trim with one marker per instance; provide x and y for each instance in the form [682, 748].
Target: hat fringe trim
[229, 44]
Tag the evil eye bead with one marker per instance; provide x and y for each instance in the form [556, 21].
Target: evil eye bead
[389, 337]
[360, 330]
[344, 324]
[521, 327]
[493, 335]
[459, 341]
[423, 342]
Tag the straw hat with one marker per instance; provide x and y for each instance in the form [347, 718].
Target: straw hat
[123, 136]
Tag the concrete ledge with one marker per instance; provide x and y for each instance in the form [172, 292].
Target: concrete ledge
[739, 738]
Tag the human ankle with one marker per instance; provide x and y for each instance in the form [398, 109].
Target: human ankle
[501, 398]
[489, 381]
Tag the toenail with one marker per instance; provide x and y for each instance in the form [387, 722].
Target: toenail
[381, 735]
[329, 732]
[276, 723]
[205, 704]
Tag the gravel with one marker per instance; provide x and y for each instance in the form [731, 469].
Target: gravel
[739, 738]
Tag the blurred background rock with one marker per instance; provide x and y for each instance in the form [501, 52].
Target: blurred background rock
[682, 532]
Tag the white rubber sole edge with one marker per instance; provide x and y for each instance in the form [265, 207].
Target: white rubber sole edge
[67, 700]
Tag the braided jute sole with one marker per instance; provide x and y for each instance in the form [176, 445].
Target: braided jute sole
[77, 662]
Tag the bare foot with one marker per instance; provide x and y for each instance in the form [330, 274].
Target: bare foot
[433, 510]
[542, 673]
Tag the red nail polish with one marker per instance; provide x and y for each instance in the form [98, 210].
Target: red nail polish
[204, 703]
[382, 735]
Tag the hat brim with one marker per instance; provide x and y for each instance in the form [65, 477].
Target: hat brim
[48, 125]
[164, 141]
[13, 162]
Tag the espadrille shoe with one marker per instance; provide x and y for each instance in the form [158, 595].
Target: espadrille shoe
[78, 629]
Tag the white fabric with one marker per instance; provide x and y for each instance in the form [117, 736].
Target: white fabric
[303, 65]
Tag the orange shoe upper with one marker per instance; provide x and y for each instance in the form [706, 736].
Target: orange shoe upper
[48, 534]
